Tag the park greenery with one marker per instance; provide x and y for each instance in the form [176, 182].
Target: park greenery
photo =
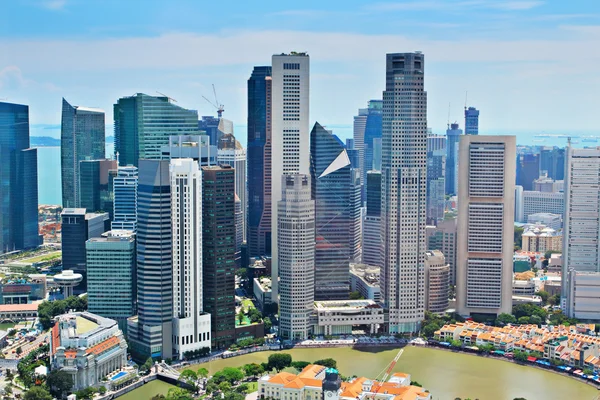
[48, 310]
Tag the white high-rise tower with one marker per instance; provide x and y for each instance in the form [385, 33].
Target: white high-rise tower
[191, 327]
[403, 191]
[290, 135]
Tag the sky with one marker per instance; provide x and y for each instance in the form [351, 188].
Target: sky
[528, 65]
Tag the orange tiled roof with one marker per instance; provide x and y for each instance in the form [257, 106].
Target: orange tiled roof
[71, 353]
[282, 378]
[55, 339]
[311, 371]
[311, 382]
[354, 388]
[295, 384]
[103, 346]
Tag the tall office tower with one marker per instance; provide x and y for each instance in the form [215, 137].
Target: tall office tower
[125, 186]
[336, 193]
[453, 135]
[367, 135]
[239, 234]
[471, 121]
[519, 211]
[77, 227]
[231, 152]
[210, 126]
[486, 217]
[94, 193]
[353, 154]
[437, 282]
[82, 135]
[403, 191]
[290, 135]
[144, 123]
[296, 244]
[443, 237]
[18, 181]
[528, 170]
[196, 147]
[552, 161]
[111, 264]
[218, 252]
[436, 172]
[582, 210]
[191, 326]
[259, 162]
[372, 238]
[150, 332]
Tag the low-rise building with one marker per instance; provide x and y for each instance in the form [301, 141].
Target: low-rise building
[550, 220]
[316, 382]
[364, 279]
[88, 347]
[523, 288]
[338, 317]
[23, 290]
[540, 238]
[19, 312]
[261, 288]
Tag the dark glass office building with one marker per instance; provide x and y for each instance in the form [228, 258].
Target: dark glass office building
[528, 170]
[94, 190]
[150, 332]
[452, 139]
[471, 121]
[372, 133]
[336, 192]
[210, 126]
[552, 160]
[258, 156]
[218, 252]
[82, 137]
[18, 181]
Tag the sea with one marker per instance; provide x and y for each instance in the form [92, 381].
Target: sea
[49, 183]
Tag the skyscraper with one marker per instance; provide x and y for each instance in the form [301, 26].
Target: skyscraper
[403, 191]
[191, 326]
[218, 252]
[367, 131]
[471, 121]
[259, 162]
[210, 125]
[336, 193]
[94, 193]
[290, 134]
[111, 275]
[125, 186]
[486, 213]
[528, 170]
[296, 245]
[18, 181]
[436, 172]
[82, 135]
[150, 332]
[582, 210]
[452, 137]
[552, 160]
[144, 123]
[372, 239]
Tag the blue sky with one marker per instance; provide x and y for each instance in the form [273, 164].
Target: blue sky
[529, 65]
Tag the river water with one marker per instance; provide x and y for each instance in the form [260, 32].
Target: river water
[446, 374]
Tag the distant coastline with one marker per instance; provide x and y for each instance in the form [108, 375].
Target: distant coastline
[49, 141]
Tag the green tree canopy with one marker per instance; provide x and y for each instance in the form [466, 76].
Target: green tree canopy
[59, 383]
[202, 372]
[253, 369]
[37, 393]
[505, 318]
[280, 361]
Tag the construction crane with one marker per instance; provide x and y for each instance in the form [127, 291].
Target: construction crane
[170, 98]
[386, 373]
[220, 107]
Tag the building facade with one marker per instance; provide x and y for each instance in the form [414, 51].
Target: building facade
[296, 256]
[552, 160]
[486, 221]
[372, 235]
[259, 162]
[581, 252]
[94, 191]
[583, 301]
[336, 193]
[436, 181]
[191, 326]
[542, 202]
[453, 135]
[367, 138]
[18, 181]
[471, 121]
[528, 170]
[144, 123]
[403, 191]
[443, 237]
[111, 288]
[553, 221]
[125, 185]
[218, 252]
[82, 137]
[290, 134]
[437, 282]
[540, 238]
[150, 332]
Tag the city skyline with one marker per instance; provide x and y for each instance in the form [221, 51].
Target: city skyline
[466, 56]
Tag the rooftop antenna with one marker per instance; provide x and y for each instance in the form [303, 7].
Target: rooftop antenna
[170, 98]
[220, 107]
[466, 95]
[449, 115]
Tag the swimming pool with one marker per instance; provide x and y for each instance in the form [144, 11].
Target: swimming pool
[118, 376]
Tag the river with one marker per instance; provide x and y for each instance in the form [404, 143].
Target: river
[446, 374]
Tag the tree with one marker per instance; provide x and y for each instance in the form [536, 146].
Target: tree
[86, 394]
[59, 383]
[505, 318]
[178, 394]
[554, 300]
[523, 320]
[519, 355]
[518, 237]
[224, 386]
[429, 329]
[202, 372]
[189, 376]
[229, 374]
[300, 365]
[280, 361]
[102, 390]
[415, 383]
[268, 324]
[37, 393]
[240, 317]
[327, 362]
[535, 319]
[356, 295]
[544, 295]
[19, 351]
[253, 369]
[588, 371]
[148, 364]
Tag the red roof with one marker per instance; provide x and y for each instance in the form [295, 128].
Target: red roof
[18, 307]
[532, 359]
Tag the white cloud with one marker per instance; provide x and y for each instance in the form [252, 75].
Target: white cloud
[439, 5]
[54, 4]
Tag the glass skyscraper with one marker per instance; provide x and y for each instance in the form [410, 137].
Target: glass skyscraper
[336, 191]
[94, 190]
[471, 121]
[18, 181]
[125, 185]
[82, 137]
[452, 138]
[144, 123]
[367, 138]
[258, 154]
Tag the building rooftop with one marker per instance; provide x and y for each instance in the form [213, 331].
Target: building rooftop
[346, 304]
